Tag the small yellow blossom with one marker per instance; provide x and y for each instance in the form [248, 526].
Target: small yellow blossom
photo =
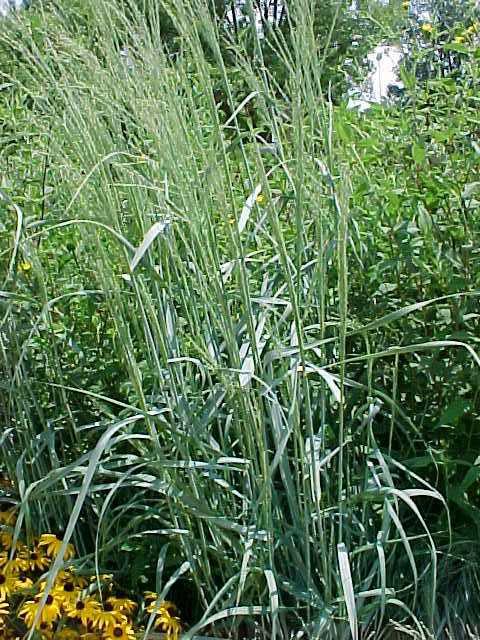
[53, 545]
[459, 40]
[260, 199]
[427, 28]
[231, 220]
[406, 4]
[25, 266]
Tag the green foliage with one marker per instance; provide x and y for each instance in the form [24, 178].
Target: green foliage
[261, 364]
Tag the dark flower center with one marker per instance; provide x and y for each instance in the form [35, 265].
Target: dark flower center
[33, 556]
[49, 600]
[44, 625]
[80, 606]
[108, 606]
[68, 586]
[117, 632]
[3, 579]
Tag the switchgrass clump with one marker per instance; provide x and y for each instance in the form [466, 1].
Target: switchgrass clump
[224, 373]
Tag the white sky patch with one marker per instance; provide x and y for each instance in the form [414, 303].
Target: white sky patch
[5, 5]
[383, 61]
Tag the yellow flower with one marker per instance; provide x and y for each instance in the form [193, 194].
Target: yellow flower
[260, 199]
[155, 606]
[35, 560]
[406, 4]
[53, 545]
[170, 625]
[427, 28]
[122, 631]
[48, 614]
[25, 266]
[165, 620]
[68, 575]
[16, 565]
[7, 584]
[122, 604]
[23, 582]
[66, 592]
[150, 595]
[3, 610]
[459, 40]
[84, 610]
[107, 616]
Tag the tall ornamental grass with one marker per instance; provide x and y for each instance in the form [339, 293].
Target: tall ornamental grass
[189, 392]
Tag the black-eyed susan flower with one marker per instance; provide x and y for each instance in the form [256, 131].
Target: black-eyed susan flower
[53, 545]
[107, 616]
[169, 624]
[156, 606]
[23, 582]
[66, 592]
[49, 613]
[69, 575]
[35, 560]
[84, 610]
[16, 565]
[121, 631]
[124, 605]
[427, 27]
[7, 584]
